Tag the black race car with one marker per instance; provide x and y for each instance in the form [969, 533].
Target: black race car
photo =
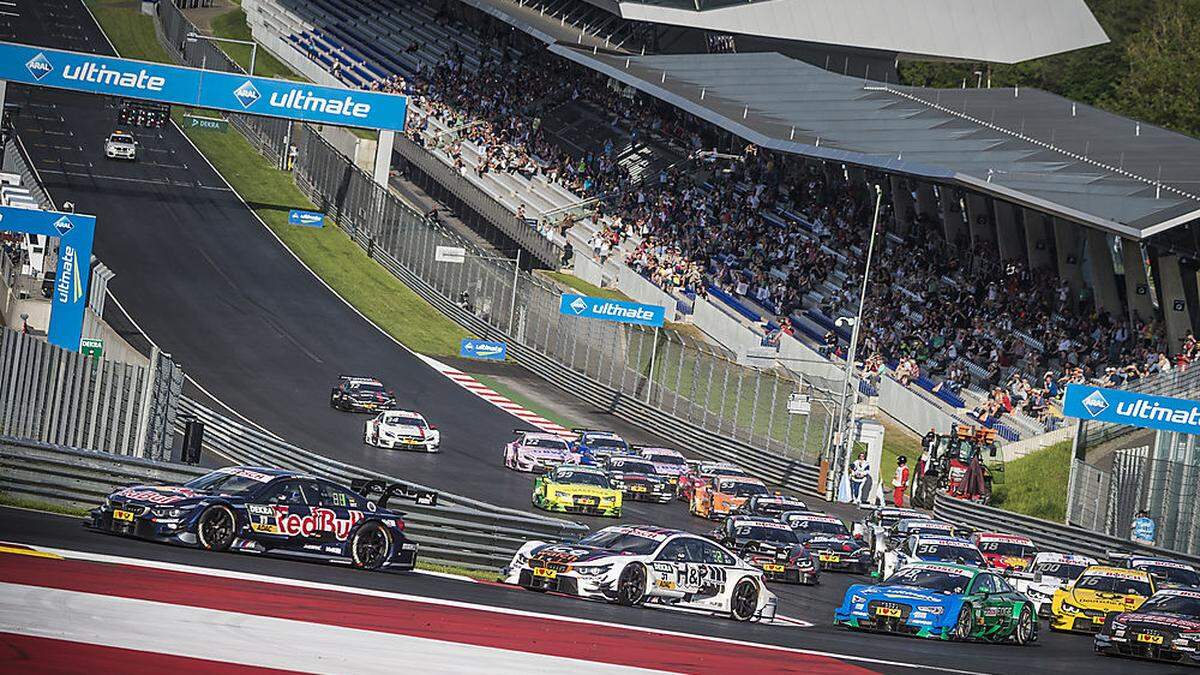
[1165, 628]
[258, 510]
[770, 546]
[828, 538]
[637, 480]
[361, 394]
[769, 506]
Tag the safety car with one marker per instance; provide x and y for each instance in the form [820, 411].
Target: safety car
[262, 510]
[828, 538]
[929, 548]
[360, 394]
[1167, 573]
[1084, 605]
[722, 495]
[646, 565]
[593, 445]
[577, 489]
[402, 430]
[771, 505]
[1006, 552]
[1049, 572]
[535, 451]
[637, 480]
[120, 145]
[770, 546]
[700, 472]
[1165, 628]
[942, 601]
[668, 463]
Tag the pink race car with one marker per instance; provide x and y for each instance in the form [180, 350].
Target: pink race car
[536, 451]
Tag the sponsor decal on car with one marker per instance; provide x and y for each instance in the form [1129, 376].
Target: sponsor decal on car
[162, 495]
[313, 524]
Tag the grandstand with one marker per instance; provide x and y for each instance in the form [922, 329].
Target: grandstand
[1028, 241]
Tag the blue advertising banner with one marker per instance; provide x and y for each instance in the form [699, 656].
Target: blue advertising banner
[307, 218]
[472, 348]
[611, 310]
[1127, 407]
[201, 88]
[75, 234]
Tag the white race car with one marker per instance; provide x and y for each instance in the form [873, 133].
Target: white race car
[402, 430]
[1048, 573]
[644, 564]
[874, 528]
[120, 145]
[536, 451]
[930, 548]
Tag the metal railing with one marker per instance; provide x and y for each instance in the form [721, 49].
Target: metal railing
[1049, 536]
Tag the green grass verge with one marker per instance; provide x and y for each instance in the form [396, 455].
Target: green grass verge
[1035, 484]
[522, 400]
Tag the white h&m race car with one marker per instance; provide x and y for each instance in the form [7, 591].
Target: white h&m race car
[536, 451]
[1048, 573]
[644, 564]
[402, 430]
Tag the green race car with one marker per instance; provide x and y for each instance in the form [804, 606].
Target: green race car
[577, 489]
[941, 601]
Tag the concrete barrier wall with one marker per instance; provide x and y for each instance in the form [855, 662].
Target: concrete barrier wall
[642, 290]
[587, 269]
[911, 409]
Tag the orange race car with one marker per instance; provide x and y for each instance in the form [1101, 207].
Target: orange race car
[722, 495]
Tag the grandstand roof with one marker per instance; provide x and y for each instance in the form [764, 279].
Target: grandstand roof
[971, 30]
[1020, 145]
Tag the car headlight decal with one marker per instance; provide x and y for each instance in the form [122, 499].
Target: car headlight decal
[930, 609]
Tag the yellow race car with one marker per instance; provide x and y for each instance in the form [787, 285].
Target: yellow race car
[1086, 603]
[577, 489]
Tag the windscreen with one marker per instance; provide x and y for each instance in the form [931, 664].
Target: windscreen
[621, 542]
[406, 420]
[221, 482]
[580, 478]
[665, 459]
[742, 489]
[1107, 584]
[819, 526]
[949, 553]
[549, 443]
[1008, 549]
[608, 443]
[1059, 570]
[1172, 575]
[774, 535]
[1173, 604]
[949, 583]
[630, 465]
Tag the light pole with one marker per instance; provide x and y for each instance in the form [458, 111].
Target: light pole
[846, 413]
[192, 37]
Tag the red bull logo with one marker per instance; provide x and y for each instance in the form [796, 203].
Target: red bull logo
[318, 521]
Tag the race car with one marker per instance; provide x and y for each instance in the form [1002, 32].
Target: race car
[402, 429]
[830, 540]
[1083, 605]
[873, 529]
[722, 495]
[770, 506]
[668, 463]
[929, 548]
[536, 451]
[1167, 573]
[699, 472]
[1165, 628]
[942, 601]
[577, 489]
[257, 510]
[361, 394]
[770, 546]
[646, 565]
[1049, 572]
[1005, 552]
[120, 145]
[593, 445]
[902, 529]
[636, 479]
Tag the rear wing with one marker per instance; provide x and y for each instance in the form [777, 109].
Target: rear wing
[379, 492]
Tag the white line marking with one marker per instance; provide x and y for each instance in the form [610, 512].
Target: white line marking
[146, 181]
[283, 581]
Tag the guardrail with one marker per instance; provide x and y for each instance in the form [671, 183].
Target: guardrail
[1049, 536]
[448, 533]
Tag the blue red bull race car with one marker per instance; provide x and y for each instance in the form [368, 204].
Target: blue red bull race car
[257, 510]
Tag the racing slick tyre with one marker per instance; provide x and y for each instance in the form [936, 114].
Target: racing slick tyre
[370, 546]
[216, 528]
[963, 626]
[631, 586]
[743, 601]
[1023, 632]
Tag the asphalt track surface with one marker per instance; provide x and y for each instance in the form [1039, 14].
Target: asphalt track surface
[210, 284]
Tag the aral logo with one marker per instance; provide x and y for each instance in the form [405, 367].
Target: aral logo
[247, 94]
[579, 305]
[1095, 403]
[63, 225]
[39, 66]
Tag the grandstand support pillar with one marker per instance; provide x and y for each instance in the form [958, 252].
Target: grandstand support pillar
[952, 219]
[383, 156]
[979, 221]
[1103, 274]
[1137, 284]
[927, 203]
[1068, 244]
[1169, 282]
[902, 205]
[1037, 239]
[1009, 237]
